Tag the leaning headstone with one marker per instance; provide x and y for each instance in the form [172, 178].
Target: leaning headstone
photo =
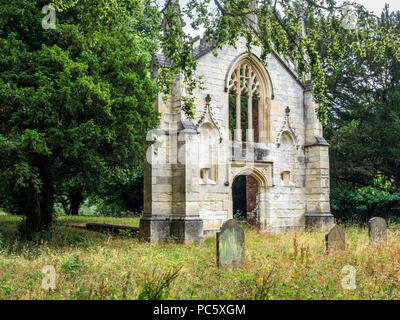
[335, 238]
[377, 230]
[230, 245]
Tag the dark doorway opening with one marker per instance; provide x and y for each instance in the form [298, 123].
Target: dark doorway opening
[239, 198]
[245, 200]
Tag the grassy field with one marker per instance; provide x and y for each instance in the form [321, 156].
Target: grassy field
[134, 221]
[287, 266]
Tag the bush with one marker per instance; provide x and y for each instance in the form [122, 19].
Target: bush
[74, 265]
[155, 285]
[120, 197]
[365, 203]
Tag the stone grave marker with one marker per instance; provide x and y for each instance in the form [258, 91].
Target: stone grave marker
[230, 245]
[335, 238]
[377, 230]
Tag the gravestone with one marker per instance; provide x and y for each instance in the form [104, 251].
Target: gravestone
[335, 238]
[230, 245]
[377, 230]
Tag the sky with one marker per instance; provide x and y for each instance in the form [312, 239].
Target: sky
[377, 6]
[372, 5]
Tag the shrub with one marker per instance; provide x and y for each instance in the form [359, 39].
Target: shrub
[365, 203]
[122, 196]
[73, 266]
[155, 284]
[125, 233]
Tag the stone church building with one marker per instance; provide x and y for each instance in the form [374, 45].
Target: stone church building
[254, 150]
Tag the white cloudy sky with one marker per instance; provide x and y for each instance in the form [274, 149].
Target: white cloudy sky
[377, 6]
[372, 5]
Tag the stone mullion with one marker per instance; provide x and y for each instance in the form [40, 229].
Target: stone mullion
[261, 122]
[238, 131]
[250, 135]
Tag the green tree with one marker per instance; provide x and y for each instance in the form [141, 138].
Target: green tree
[75, 103]
[118, 197]
[272, 24]
[364, 115]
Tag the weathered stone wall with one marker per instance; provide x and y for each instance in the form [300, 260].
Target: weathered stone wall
[284, 201]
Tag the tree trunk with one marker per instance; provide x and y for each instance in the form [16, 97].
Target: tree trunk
[75, 201]
[39, 209]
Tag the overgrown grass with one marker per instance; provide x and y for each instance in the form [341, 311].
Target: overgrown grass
[10, 220]
[286, 266]
[129, 221]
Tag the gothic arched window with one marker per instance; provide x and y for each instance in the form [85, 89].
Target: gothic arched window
[249, 94]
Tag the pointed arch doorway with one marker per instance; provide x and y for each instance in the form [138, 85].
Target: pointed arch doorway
[245, 198]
